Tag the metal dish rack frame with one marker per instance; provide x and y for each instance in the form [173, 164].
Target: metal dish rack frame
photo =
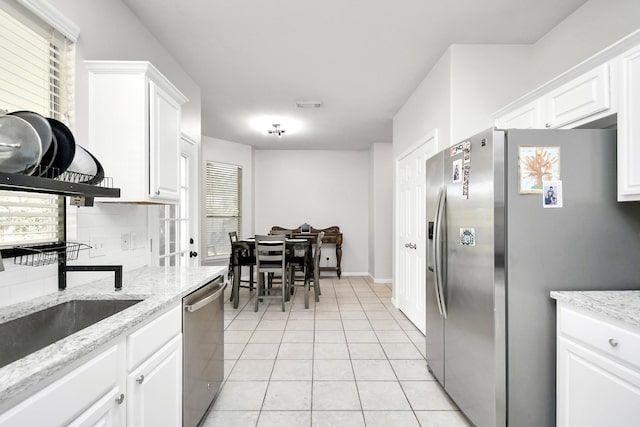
[66, 185]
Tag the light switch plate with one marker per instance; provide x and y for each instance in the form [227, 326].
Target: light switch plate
[125, 241]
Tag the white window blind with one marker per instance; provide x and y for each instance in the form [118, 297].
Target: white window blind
[25, 217]
[36, 74]
[223, 206]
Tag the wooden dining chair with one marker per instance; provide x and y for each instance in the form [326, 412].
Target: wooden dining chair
[287, 233]
[233, 237]
[316, 266]
[270, 260]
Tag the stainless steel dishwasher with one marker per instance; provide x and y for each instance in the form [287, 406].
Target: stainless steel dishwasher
[203, 350]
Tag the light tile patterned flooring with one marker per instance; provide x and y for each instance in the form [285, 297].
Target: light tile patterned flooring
[350, 360]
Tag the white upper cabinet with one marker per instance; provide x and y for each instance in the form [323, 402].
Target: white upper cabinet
[596, 92]
[582, 97]
[134, 129]
[629, 127]
[528, 116]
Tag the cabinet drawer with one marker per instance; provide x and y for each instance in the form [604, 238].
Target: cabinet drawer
[65, 399]
[585, 96]
[611, 339]
[149, 339]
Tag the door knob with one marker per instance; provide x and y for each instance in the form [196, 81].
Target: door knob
[193, 254]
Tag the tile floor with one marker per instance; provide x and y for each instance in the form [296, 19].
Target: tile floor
[350, 360]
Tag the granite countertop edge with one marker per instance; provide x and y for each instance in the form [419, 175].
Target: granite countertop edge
[623, 306]
[158, 287]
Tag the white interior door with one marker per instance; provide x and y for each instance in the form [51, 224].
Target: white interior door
[189, 218]
[411, 241]
[178, 224]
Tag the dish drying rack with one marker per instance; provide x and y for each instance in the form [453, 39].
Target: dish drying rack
[68, 184]
[37, 257]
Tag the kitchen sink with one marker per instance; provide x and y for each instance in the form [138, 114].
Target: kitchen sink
[24, 335]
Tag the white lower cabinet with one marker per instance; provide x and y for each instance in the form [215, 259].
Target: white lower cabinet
[136, 382]
[106, 412]
[598, 372]
[155, 388]
[76, 397]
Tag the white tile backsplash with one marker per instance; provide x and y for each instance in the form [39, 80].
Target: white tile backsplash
[104, 224]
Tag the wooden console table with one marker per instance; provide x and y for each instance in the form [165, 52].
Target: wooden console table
[331, 235]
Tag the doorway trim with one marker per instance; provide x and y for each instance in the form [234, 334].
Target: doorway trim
[430, 137]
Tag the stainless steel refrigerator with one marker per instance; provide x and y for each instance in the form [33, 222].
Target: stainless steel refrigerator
[495, 251]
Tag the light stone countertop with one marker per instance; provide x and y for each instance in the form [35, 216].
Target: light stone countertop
[159, 287]
[620, 305]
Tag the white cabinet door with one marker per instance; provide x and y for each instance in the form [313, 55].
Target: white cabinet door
[106, 412]
[164, 140]
[155, 389]
[134, 129]
[79, 391]
[526, 117]
[411, 237]
[629, 128]
[583, 97]
[595, 390]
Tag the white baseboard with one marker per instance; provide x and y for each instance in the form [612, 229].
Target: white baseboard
[380, 281]
[354, 273]
[394, 302]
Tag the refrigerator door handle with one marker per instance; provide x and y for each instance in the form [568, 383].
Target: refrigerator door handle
[438, 252]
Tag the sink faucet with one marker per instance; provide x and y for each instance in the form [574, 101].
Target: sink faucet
[117, 269]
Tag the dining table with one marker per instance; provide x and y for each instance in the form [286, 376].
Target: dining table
[298, 252]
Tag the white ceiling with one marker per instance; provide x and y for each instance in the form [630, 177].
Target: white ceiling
[361, 58]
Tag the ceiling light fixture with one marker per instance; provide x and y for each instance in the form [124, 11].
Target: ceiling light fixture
[308, 104]
[276, 130]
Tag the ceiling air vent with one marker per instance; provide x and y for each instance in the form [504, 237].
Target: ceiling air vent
[308, 104]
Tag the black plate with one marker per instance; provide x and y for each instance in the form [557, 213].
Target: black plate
[66, 148]
[49, 156]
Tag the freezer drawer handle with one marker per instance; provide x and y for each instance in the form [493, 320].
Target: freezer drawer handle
[613, 342]
[205, 301]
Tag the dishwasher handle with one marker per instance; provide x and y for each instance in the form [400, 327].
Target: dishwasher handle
[205, 300]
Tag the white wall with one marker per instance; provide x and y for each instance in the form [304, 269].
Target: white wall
[428, 108]
[484, 78]
[222, 151]
[381, 211]
[108, 30]
[321, 188]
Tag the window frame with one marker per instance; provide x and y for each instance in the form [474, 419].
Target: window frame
[209, 198]
[43, 24]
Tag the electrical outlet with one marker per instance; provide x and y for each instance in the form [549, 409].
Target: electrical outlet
[125, 241]
[97, 248]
